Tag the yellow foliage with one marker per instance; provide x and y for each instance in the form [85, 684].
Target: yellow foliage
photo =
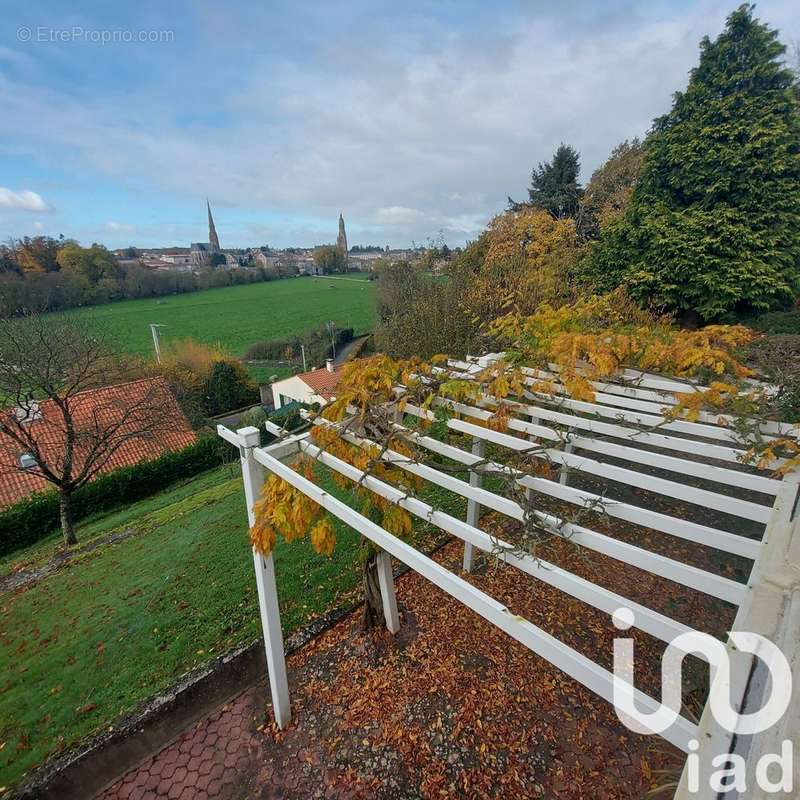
[528, 261]
[596, 337]
[500, 419]
[285, 510]
[397, 520]
[323, 537]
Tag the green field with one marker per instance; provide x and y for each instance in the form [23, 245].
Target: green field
[236, 316]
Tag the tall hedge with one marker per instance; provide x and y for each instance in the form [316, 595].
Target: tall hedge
[32, 519]
[713, 225]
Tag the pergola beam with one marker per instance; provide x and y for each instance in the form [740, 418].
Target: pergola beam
[569, 661]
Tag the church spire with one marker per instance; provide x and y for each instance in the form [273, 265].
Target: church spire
[213, 239]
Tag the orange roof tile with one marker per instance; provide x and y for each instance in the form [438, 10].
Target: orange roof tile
[93, 410]
[321, 381]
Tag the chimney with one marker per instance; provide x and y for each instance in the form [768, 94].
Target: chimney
[329, 364]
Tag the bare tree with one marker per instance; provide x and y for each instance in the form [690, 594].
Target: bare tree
[50, 426]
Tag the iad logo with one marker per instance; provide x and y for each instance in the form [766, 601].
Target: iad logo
[733, 775]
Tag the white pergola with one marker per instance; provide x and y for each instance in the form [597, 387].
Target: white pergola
[625, 423]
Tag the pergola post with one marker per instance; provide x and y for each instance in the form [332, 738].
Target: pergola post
[253, 476]
[473, 508]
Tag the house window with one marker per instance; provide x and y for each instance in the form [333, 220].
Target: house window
[27, 461]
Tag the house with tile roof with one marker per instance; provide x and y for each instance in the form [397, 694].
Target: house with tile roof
[316, 386]
[110, 420]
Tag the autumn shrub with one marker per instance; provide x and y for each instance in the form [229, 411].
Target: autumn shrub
[596, 337]
[317, 344]
[420, 314]
[777, 359]
[523, 259]
[227, 387]
[205, 380]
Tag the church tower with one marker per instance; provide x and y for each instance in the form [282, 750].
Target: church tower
[213, 239]
[341, 240]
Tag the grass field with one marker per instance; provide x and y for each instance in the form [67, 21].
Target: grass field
[119, 624]
[236, 316]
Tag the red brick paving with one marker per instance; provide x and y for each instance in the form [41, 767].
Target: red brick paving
[451, 707]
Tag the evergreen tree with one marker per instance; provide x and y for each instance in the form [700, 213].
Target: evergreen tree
[713, 225]
[554, 184]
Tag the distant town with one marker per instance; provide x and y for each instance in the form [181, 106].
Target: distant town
[317, 260]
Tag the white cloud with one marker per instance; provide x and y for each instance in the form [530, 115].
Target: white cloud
[399, 215]
[430, 127]
[25, 200]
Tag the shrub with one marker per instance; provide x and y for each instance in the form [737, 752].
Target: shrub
[205, 380]
[256, 417]
[267, 350]
[31, 519]
[227, 387]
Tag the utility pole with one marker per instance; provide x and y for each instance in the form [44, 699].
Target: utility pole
[154, 329]
[303, 353]
[331, 326]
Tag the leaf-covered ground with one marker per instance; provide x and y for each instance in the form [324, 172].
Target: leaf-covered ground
[450, 707]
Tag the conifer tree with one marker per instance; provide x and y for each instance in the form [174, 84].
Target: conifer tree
[554, 184]
[713, 225]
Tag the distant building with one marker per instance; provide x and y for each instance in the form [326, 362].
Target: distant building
[365, 261]
[179, 259]
[261, 259]
[213, 239]
[309, 267]
[47, 427]
[316, 386]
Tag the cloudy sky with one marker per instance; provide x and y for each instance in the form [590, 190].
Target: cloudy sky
[410, 118]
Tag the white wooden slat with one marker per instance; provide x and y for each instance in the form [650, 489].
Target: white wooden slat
[645, 420]
[247, 440]
[682, 466]
[653, 438]
[647, 400]
[654, 403]
[703, 581]
[652, 622]
[674, 526]
[625, 429]
[651, 395]
[681, 491]
[569, 661]
[708, 425]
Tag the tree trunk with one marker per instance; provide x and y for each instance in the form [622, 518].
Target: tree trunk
[65, 509]
[373, 603]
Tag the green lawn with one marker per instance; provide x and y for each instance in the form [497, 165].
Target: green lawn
[94, 640]
[236, 316]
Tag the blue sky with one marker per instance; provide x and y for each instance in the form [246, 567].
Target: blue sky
[410, 118]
